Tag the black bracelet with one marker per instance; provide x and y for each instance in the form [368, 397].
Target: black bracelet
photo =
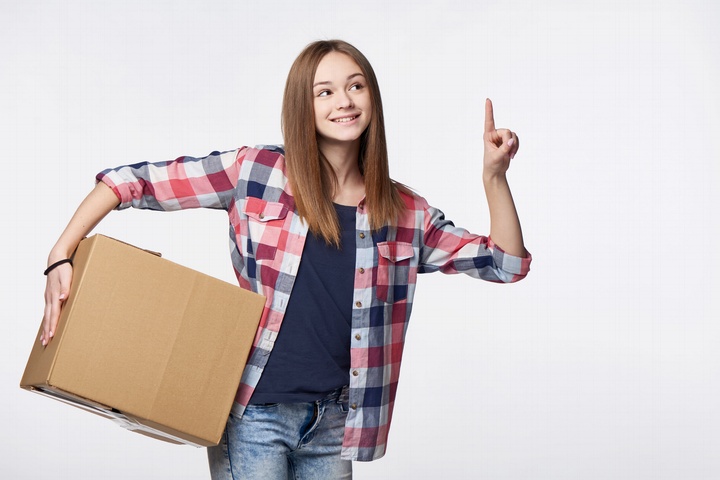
[57, 264]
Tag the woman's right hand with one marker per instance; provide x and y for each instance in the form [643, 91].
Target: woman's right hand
[57, 290]
[94, 208]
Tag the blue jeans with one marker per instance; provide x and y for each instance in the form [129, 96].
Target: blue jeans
[282, 441]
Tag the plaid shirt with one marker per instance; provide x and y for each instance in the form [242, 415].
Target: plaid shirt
[267, 238]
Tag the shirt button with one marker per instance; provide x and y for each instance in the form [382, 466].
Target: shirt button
[358, 304]
[355, 373]
[357, 336]
[262, 215]
[362, 235]
[361, 270]
[353, 406]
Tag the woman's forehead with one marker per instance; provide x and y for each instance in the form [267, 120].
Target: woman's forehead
[336, 66]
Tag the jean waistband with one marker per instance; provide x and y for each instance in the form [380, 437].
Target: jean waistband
[339, 395]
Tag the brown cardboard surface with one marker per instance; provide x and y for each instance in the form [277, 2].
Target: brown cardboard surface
[159, 344]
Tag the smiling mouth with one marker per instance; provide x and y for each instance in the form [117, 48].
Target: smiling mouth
[345, 119]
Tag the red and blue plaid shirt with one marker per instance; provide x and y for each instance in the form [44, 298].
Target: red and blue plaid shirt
[267, 238]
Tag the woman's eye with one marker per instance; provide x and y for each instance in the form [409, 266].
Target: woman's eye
[323, 93]
[357, 86]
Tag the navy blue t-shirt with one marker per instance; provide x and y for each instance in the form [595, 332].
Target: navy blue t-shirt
[311, 356]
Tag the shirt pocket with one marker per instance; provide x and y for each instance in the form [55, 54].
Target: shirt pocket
[265, 225]
[393, 270]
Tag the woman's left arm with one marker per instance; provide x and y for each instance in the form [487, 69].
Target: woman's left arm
[500, 146]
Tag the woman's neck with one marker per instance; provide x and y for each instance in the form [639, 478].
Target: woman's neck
[343, 158]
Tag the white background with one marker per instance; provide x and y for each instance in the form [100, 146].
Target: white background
[602, 364]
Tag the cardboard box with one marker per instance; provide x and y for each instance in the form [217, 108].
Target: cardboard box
[153, 345]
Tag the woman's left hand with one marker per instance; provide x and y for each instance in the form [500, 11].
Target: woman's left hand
[500, 145]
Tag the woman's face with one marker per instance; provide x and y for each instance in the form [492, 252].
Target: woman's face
[341, 100]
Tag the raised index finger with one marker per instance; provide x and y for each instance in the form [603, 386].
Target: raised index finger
[489, 118]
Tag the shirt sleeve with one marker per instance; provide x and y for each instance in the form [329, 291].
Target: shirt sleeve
[450, 249]
[186, 182]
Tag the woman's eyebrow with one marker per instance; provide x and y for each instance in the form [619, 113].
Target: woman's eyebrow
[328, 82]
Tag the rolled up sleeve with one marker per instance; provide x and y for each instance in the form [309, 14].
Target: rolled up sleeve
[450, 249]
[186, 182]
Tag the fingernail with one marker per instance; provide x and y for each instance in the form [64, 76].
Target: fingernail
[510, 142]
[51, 333]
[62, 296]
[42, 342]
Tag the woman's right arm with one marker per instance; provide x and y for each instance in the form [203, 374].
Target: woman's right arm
[185, 182]
[94, 208]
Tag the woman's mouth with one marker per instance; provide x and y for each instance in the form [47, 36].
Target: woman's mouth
[345, 119]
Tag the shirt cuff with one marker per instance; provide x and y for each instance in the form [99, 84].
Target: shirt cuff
[517, 266]
[105, 177]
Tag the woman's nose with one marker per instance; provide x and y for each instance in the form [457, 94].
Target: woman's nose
[343, 100]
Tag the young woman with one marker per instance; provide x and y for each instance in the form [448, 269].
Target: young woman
[320, 229]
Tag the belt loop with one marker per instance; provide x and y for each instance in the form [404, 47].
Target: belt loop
[343, 395]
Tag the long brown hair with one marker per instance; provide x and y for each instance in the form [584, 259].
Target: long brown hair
[312, 179]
